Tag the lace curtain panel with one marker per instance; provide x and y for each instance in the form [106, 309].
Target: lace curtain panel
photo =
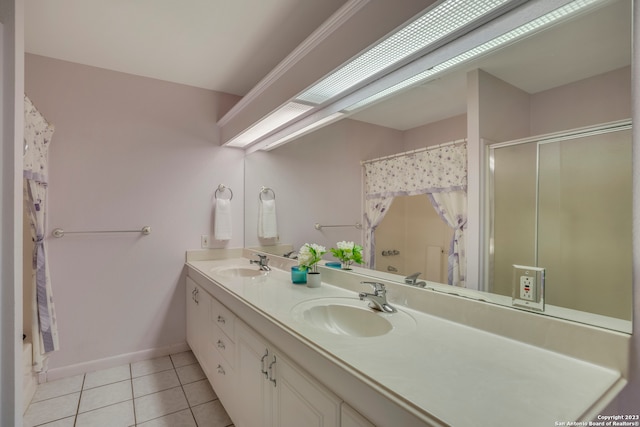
[37, 136]
[438, 171]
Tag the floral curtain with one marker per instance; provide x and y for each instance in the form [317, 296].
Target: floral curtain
[37, 136]
[440, 172]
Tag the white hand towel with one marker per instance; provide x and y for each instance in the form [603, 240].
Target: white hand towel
[222, 222]
[267, 223]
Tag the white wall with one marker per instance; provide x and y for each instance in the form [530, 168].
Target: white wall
[11, 125]
[127, 151]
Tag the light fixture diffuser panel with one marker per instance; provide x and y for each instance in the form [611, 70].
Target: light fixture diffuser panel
[434, 25]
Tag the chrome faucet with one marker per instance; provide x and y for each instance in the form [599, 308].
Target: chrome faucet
[413, 280]
[262, 262]
[378, 299]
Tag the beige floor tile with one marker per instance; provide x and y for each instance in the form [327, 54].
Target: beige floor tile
[51, 410]
[151, 366]
[199, 392]
[58, 388]
[159, 404]
[211, 414]
[104, 396]
[155, 382]
[118, 415]
[190, 373]
[107, 376]
[183, 359]
[178, 419]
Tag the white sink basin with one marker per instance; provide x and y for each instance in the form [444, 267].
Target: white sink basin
[231, 272]
[350, 317]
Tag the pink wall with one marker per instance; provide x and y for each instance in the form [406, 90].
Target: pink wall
[446, 130]
[128, 151]
[599, 99]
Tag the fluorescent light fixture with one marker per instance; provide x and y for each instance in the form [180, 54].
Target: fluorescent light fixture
[437, 23]
[399, 62]
[279, 117]
[322, 122]
[504, 39]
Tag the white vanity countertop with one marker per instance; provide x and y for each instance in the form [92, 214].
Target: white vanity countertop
[461, 375]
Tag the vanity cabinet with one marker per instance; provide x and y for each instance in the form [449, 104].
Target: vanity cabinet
[351, 418]
[196, 312]
[207, 321]
[257, 384]
[275, 392]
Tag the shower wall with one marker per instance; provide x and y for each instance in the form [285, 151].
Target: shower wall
[413, 227]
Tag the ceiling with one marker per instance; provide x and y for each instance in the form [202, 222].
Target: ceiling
[223, 45]
[229, 45]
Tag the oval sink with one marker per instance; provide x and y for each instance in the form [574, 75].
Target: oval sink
[232, 272]
[350, 317]
[347, 320]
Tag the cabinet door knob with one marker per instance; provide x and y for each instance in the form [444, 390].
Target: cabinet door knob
[221, 320]
[220, 344]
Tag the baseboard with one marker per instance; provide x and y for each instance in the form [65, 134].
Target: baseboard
[110, 362]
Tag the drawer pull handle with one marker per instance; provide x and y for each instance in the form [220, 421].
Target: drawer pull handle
[221, 370]
[264, 371]
[220, 344]
[271, 378]
[221, 320]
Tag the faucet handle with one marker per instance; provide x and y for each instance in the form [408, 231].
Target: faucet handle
[379, 288]
[412, 278]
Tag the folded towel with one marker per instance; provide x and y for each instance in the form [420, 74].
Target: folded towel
[222, 222]
[267, 223]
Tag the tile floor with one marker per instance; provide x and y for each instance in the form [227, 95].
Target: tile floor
[170, 391]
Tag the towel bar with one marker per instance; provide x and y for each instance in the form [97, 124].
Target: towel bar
[59, 232]
[318, 226]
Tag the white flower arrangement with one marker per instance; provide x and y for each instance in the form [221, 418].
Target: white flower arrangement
[348, 253]
[309, 256]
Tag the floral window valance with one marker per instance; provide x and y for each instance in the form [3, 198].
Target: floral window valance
[429, 171]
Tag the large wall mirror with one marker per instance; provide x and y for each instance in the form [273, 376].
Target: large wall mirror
[575, 74]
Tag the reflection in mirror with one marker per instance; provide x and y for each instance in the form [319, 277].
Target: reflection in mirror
[574, 74]
[564, 204]
[413, 238]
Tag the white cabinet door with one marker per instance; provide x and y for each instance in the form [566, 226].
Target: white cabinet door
[351, 418]
[254, 387]
[193, 317]
[299, 400]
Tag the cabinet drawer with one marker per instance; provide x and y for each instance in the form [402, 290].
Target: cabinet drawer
[223, 344]
[223, 318]
[222, 378]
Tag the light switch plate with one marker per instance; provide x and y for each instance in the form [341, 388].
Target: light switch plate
[528, 287]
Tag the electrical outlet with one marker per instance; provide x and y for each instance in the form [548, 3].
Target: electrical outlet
[204, 241]
[528, 287]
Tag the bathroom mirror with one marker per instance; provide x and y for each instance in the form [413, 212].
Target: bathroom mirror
[573, 74]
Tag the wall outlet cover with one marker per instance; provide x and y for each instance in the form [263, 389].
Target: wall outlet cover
[528, 287]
